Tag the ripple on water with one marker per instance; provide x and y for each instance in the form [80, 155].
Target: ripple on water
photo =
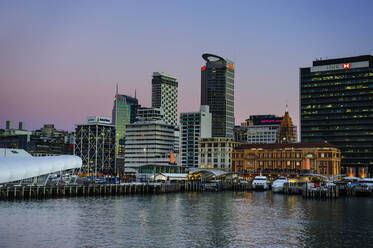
[228, 219]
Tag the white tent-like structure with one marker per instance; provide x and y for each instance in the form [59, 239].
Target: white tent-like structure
[20, 168]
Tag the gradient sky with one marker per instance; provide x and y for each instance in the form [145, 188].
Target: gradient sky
[60, 60]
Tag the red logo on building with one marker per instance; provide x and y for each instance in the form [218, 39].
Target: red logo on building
[346, 66]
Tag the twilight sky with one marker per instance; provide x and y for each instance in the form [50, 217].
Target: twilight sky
[60, 60]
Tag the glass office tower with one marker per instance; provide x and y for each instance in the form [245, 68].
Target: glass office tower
[217, 91]
[124, 112]
[336, 106]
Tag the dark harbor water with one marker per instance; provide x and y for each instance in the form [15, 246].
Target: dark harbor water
[229, 219]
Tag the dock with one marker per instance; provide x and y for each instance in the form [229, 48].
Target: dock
[16, 192]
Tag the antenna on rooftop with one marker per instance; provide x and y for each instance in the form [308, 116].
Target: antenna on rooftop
[135, 93]
[116, 93]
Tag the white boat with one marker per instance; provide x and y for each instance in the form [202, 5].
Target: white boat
[260, 182]
[365, 185]
[278, 184]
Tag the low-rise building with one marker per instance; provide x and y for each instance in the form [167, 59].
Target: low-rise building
[287, 158]
[216, 153]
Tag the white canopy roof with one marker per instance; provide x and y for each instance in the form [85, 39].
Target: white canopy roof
[18, 168]
[171, 176]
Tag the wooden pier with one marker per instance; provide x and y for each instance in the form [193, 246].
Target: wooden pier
[54, 191]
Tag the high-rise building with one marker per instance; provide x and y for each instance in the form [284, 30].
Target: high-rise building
[165, 96]
[95, 145]
[336, 106]
[217, 91]
[124, 112]
[151, 143]
[194, 126]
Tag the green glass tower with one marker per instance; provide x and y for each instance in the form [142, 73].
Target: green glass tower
[124, 112]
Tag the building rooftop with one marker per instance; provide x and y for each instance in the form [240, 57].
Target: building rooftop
[285, 145]
[162, 74]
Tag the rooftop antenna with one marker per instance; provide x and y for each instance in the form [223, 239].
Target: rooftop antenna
[135, 93]
[286, 106]
[117, 88]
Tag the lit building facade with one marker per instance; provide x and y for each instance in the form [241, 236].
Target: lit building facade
[194, 126]
[217, 91]
[165, 96]
[336, 105]
[287, 159]
[95, 145]
[216, 153]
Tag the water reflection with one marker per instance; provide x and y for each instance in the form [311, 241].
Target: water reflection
[229, 219]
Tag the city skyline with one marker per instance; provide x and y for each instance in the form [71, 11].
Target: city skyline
[60, 62]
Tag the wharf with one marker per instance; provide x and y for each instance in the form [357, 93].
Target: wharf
[323, 192]
[17, 192]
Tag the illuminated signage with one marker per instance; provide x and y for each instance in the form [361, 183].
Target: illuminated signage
[98, 119]
[340, 66]
[270, 121]
[203, 68]
[231, 66]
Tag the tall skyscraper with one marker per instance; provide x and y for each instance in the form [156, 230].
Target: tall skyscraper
[193, 126]
[165, 95]
[124, 112]
[336, 106]
[217, 91]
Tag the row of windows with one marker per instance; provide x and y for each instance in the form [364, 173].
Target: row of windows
[335, 83]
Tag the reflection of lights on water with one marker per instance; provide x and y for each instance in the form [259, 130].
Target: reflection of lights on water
[249, 195]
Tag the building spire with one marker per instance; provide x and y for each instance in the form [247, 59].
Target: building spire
[286, 106]
[135, 92]
[116, 93]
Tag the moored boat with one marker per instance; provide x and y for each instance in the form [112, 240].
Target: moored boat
[278, 184]
[260, 183]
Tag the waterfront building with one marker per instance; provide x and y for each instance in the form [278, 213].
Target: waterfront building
[336, 105]
[151, 144]
[124, 112]
[261, 129]
[217, 91]
[216, 153]
[95, 145]
[194, 126]
[165, 96]
[287, 159]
